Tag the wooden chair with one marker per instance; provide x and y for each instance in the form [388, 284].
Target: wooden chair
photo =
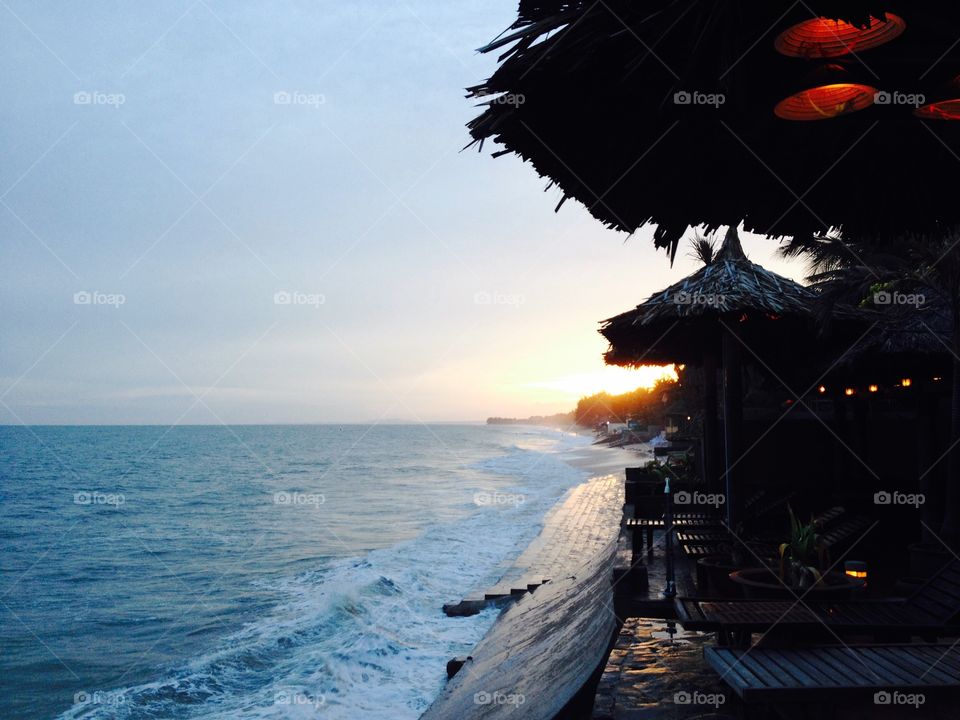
[871, 674]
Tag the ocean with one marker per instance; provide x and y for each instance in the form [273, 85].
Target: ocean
[257, 571]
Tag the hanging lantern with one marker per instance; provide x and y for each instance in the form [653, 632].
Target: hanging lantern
[873, 388]
[943, 110]
[826, 102]
[850, 392]
[828, 91]
[906, 382]
[825, 38]
[947, 107]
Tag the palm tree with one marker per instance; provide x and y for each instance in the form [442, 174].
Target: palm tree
[703, 249]
[854, 272]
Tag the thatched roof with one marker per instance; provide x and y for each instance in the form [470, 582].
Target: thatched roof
[588, 93]
[896, 337]
[672, 324]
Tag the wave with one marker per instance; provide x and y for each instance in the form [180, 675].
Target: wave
[364, 637]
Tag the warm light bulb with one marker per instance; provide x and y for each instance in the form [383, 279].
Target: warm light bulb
[849, 391]
[906, 382]
[874, 388]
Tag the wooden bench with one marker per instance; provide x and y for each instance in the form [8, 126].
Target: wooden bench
[645, 526]
[830, 673]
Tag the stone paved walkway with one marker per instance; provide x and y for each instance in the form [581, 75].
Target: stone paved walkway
[657, 670]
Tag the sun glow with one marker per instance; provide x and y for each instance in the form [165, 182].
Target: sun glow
[610, 379]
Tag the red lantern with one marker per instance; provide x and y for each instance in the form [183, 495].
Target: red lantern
[826, 101]
[825, 38]
[943, 110]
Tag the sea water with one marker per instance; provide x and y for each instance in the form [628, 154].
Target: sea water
[256, 571]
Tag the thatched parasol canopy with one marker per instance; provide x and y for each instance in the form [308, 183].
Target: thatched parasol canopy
[677, 324]
[900, 341]
[729, 303]
[673, 112]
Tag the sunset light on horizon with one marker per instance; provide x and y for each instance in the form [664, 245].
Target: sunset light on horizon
[611, 379]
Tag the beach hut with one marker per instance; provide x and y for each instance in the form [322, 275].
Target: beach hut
[729, 304]
[812, 116]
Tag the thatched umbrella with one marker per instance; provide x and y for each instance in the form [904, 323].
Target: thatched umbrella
[903, 351]
[918, 339]
[620, 103]
[728, 303]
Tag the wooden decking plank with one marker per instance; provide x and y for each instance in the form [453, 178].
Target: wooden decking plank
[720, 659]
[854, 663]
[804, 662]
[880, 659]
[757, 676]
[951, 658]
[790, 669]
[758, 669]
[887, 675]
[849, 675]
[728, 669]
[939, 655]
[922, 669]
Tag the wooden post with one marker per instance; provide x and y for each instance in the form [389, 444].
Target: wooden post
[732, 420]
[926, 457]
[711, 459]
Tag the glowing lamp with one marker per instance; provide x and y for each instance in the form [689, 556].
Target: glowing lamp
[945, 105]
[826, 102]
[849, 392]
[821, 389]
[874, 388]
[943, 110]
[825, 38]
[937, 378]
[856, 569]
[906, 382]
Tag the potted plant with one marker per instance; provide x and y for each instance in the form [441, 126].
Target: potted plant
[802, 557]
[800, 573]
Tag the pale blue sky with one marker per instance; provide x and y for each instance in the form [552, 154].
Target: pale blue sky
[149, 156]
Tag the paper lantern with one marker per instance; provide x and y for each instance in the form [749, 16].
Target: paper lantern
[943, 110]
[826, 101]
[825, 38]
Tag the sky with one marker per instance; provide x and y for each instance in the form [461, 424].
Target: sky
[248, 212]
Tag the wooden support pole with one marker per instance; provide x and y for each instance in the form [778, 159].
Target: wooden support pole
[711, 449]
[732, 421]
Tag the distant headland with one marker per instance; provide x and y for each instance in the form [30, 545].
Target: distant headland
[559, 420]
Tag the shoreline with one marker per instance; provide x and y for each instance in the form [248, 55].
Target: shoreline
[552, 632]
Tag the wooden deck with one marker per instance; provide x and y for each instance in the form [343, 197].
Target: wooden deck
[819, 674]
[545, 646]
